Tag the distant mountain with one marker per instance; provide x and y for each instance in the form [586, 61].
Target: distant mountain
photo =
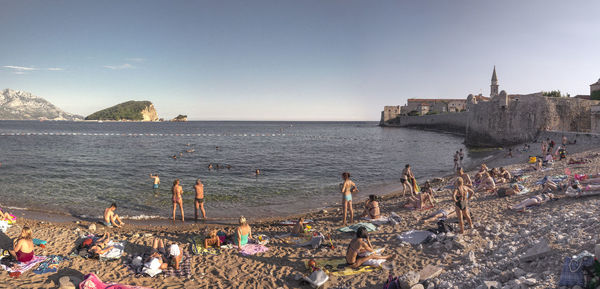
[22, 105]
[130, 110]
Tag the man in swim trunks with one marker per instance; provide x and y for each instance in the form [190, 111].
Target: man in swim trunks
[111, 218]
[199, 200]
[156, 181]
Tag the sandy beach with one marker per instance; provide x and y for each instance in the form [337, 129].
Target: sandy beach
[499, 238]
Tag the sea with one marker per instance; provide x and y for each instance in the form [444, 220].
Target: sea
[80, 168]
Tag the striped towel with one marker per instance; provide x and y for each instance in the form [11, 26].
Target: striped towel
[185, 268]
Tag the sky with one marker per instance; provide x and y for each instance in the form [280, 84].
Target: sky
[292, 60]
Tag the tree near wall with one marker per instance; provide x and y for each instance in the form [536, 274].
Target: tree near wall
[553, 93]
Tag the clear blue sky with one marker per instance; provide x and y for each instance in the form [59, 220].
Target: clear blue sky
[292, 60]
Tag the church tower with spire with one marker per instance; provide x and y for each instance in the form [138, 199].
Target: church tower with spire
[494, 86]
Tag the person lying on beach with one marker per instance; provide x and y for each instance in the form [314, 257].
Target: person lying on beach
[440, 214]
[508, 191]
[578, 161]
[466, 179]
[5, 216]
[158, 256]
[212, 240]
[533, 201]
[461, 196]
[497, 176]
[23, 246]
[347, 188]
[298, 229]
[100, 246]
[111, 218]
[371, 208]
[243, 233]
[361, 245]
[487, 183]
[550, 186]
[421, 200]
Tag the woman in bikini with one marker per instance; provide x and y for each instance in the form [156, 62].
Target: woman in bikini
[23, 246]
[487, 183]
[372, 208]
[461, 196]
[483, 169]
[347, 188]
[405, 180]
[533, 201]
[442, 214]
[359, 247]
[100, 246]
[177, 199]
[243, 233]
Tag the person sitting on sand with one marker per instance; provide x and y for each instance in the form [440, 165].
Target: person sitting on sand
[156, 181]
[199, 199]
[177, 199]
[5, 216]
[482, 169]
[359, 247]
[504, 173]
[212, 240]
[549, 160]
[243, 233]
[442, 214]
[23, 246]
[421, 200]
[371, 208]
[298, 229]
[100, 246]
[158, 256]
[111, 218]
[538, 166]
[466, 179]
[461, 196]
[533, 201]
[497, 176]
[508, 191]
[347, 188]
[487, 183]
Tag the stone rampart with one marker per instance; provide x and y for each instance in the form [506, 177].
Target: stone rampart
[454, 122]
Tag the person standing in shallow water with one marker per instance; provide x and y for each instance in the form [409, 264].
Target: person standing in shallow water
[347, 188]
[405, 179]
[156, 181]
[177, 199]
[199, 200]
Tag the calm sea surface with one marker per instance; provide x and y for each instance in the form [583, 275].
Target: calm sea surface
[79, 168]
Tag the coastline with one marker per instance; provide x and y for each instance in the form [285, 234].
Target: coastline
[277, 267]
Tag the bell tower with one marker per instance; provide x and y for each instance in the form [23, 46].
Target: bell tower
[494, 85]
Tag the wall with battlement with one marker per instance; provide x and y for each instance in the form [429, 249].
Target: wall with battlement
[454, 122]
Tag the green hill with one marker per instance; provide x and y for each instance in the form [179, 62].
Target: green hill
[130, 110]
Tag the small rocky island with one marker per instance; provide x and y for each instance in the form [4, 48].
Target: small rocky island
[180, 118]
[130, 110]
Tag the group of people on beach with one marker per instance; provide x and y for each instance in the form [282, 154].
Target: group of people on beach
[177, 197]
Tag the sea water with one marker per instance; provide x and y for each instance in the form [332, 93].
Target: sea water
[79, 168]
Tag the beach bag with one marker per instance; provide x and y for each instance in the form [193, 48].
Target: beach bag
[91, 281]
[444, 227]
[572, 273]
[392, 283]
[316, 278]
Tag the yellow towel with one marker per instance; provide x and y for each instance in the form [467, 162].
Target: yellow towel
[330, 266]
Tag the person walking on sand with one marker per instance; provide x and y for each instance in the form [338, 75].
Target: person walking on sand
[347, 188]
[461, 156]
[199, 199]
[406, 180]
[156, 181]
[111, 218]
[177, 199]
[461, 196]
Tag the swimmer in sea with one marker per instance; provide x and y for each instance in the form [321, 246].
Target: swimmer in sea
[156, 181]
[210, 166]
[177, 199]
[257, 172]
[199, 199]
[174, 157]
[228, 167]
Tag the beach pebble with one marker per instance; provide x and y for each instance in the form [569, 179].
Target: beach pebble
[409, 279]
[417, 286]
[519, 272]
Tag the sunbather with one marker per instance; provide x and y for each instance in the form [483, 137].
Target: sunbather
[479, 175]
[421, 200]
[487, 183]
[440, 214]
[508, 191]
[533, 201]
[158, 255]
[212, 240]
[550, 186]
[461, 196]
[466, 179]
[578, 161]
[243, 233]
[505, 174]
[111, 218]
[298, 229]
[100, 246]
[371, 208]
[23, 246]
[361, 245]
[4, 216]
[497, 176]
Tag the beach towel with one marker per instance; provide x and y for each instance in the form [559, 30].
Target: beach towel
[50, 265]
[556, 179]
[185, 268]
[352, 228]
[585, 191]
[291, 223]
[26, 266]
[115, 252]
[339, 267]
[294, 240]
[252, 249]
[39, 242]
[91, 281]
[379, 221]
[415, 237]
[197, 246]
[316, 278]
[137, 268]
